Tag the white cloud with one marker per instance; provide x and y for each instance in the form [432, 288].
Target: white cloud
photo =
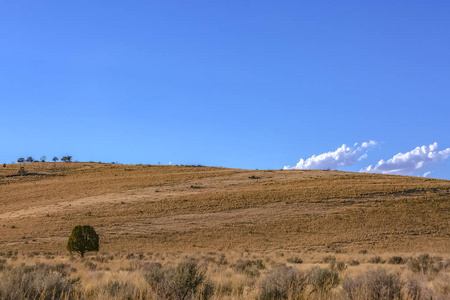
[343, 156]
[426, 174]
[410, 162]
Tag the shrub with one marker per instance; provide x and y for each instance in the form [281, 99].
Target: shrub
[322, 280]
[338, 266]
[2, 264]
[374, 285]
[121, 290]
[328, 259]
[22, 171]
[376, 260]
[206, 291]
[282, 282]
[415, 289]
[248, 267]
[90, 265]
[222, 260]
[82, 240]
[295, 260]
[396, 260]
[353, 262]
[11, 254]
[154, 275]
[425, 264]
[39, 282]
[182, 282]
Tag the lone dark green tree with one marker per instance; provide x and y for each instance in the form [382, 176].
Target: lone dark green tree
[83, 239]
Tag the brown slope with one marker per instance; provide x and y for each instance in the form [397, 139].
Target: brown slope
[171, 208]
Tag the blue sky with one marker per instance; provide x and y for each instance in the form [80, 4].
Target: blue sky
[246, 84]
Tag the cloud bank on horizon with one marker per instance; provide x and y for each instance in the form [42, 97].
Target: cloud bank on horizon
[410, 162]
[400, 164]
[343, 156]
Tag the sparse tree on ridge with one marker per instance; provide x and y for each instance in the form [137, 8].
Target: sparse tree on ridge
[30, 159]
[55, 159]
[21, 160]
[66, 158]
[43, 158]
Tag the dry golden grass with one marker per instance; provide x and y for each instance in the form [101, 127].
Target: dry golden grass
[142, 208]
[123, 276]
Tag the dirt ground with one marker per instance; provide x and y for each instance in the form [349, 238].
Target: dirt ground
[195, 208]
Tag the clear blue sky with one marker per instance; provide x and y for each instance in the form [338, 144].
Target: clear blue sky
[246, 84]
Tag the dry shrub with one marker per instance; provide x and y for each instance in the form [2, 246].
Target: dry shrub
[416, 289]
[249, 267]
[2, 264]
[322, 280]
[427, 265]
[283, 282]
[39, 282]
[396, 260]
[222, 260]
[182, 282]
[33, 254]
[338, 266]
[102, 258]
[294, 260]
[224, 288]
[353, 262]
[375, 284]
[90, 265]
[11, 254]
[328, 259]
[376, 260]
[121, 290]
[442, 286]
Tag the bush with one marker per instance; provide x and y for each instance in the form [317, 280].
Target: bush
[396, 260]
[182, 282]
[248, 267]
[353, 262]
[82, 240]
[416, 289]
[374, 285]
[39, 282]
[425, 264]
[295, 260]
[322, 280]
[328, 259]
[120, 290]
[338, 266]
[376, 260]
[283, 282]
[90, 265]
[22, 171]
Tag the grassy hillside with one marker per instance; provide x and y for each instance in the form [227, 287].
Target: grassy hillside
[192, 208]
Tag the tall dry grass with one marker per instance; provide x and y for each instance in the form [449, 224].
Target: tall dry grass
[219, 276]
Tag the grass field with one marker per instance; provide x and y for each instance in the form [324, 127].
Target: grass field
[161, 214]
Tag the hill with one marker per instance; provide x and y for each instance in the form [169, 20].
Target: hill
[194, 208]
